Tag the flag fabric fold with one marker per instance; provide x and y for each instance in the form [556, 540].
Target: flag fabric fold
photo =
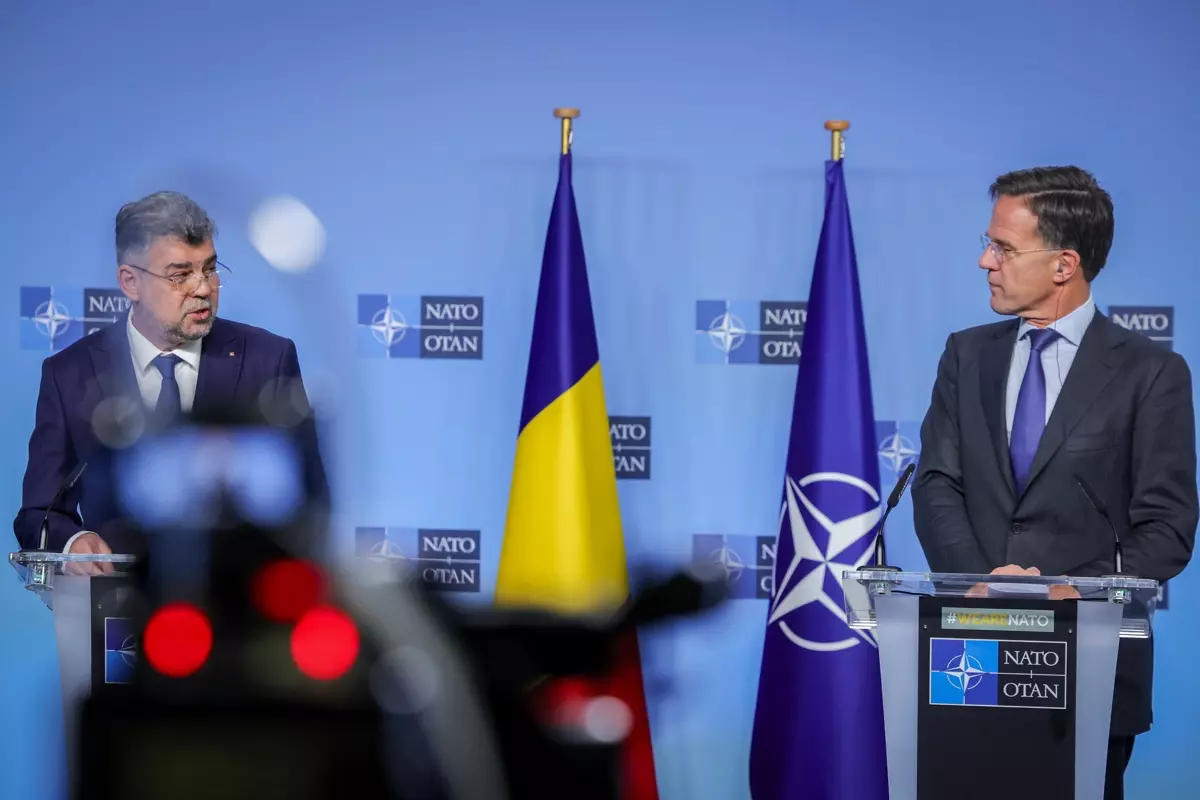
[563, 547]
[818, 722]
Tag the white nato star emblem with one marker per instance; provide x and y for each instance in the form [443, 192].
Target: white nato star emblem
[797, 587]
[964, 672]
[385, 548]
[388, 326]
[51, 318]
[727, 332]
[128, 650]
[729, 561]
[897, 451]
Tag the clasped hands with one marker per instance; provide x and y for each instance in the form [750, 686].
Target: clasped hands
[89, 543]
[1058, 592]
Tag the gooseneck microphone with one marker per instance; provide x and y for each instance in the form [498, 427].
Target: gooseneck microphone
[698, 588]
[67, 486]
[893, 499]
[1098, 504]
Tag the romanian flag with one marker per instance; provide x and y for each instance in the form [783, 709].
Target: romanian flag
[563, 544]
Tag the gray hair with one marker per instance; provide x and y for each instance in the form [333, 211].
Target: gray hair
[157, 215]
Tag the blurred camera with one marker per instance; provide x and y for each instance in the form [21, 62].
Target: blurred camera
[265, 669]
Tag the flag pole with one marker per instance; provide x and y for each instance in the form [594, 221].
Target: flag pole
[818, 717]
[838, 127]
[563, 549]
[566, 115]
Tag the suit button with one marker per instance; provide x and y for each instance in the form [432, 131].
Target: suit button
[1016, 527]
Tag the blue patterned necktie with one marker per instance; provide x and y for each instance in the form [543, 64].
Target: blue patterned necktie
[1029, 419]
[169, 405]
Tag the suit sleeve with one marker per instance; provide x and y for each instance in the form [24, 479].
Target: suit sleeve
[1163, 504]
[316, 479]
[939, 507]
[51, 458]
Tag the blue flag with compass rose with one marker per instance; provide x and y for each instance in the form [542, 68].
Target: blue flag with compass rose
[818, 722]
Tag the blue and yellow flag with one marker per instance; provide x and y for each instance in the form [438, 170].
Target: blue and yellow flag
[564, 548]
[563, 544]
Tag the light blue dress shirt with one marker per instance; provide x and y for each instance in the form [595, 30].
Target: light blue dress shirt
[1057, 358]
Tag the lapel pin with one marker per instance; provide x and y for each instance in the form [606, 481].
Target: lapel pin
[232, 354]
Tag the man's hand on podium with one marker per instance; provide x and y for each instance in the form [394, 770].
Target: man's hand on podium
[1057, 592]
[1013, 569]
[981, 589]
[1064, 592]
[89, 543]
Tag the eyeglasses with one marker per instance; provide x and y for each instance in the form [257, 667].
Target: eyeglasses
[1000, 253]
[217, 277]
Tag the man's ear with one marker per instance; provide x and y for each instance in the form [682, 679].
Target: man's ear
[127, 280]
[1066, 266]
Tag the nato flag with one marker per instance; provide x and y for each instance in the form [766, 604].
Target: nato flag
[818, 723]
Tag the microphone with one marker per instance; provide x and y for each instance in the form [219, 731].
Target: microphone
[893, 499]
[67, 486]
[1098, 504]
[698, 588]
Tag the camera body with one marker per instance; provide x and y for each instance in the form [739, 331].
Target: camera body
[264, 670]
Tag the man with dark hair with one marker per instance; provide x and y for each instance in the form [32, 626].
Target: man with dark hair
[169, 356]
[1020, 406]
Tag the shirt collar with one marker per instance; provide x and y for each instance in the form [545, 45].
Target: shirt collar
[144, 351]
[1072, 327]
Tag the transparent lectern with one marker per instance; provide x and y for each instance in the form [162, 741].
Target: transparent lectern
[997, 685]
[91, 624]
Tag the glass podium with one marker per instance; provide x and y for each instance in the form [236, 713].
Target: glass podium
[997, 685]
[91, 630]
[44, 571]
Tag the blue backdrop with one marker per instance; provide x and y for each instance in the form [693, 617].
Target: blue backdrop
[421, 136]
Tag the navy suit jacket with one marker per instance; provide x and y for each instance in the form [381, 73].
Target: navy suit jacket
[237, 362]
[1124, 421]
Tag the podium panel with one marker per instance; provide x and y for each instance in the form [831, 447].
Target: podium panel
[996, 686]
[995, 700]
[90, 612]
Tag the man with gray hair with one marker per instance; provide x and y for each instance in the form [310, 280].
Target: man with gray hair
[171, 354]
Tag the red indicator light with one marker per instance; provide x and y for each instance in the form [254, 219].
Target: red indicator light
[325, 643]
[284, 590]
[177, 640]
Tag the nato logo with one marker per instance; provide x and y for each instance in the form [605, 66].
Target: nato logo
[52, 319]
[420, 327]
[741, 332]
[997, 673]
[446, 560]
[899, 446]
[120, 650]
[1155, 322]
[748, 561]
[630, 437]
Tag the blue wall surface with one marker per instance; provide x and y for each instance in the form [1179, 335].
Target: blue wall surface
[420, 134]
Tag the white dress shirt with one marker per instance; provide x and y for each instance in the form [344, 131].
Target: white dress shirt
[187, 371]
[149, 379]
[1057, 358]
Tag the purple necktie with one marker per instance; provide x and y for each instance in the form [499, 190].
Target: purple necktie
[1029, 419]
[168, 406]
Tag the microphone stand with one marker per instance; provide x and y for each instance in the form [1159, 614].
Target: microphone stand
[893, 500]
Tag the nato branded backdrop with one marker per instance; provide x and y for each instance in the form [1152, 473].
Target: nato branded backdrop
[421, 136]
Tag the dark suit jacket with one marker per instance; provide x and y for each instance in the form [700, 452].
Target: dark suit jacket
[1124, 421]
[236, 363]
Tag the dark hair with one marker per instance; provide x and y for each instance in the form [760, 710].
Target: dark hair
[161, 214]
[1073, 212]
